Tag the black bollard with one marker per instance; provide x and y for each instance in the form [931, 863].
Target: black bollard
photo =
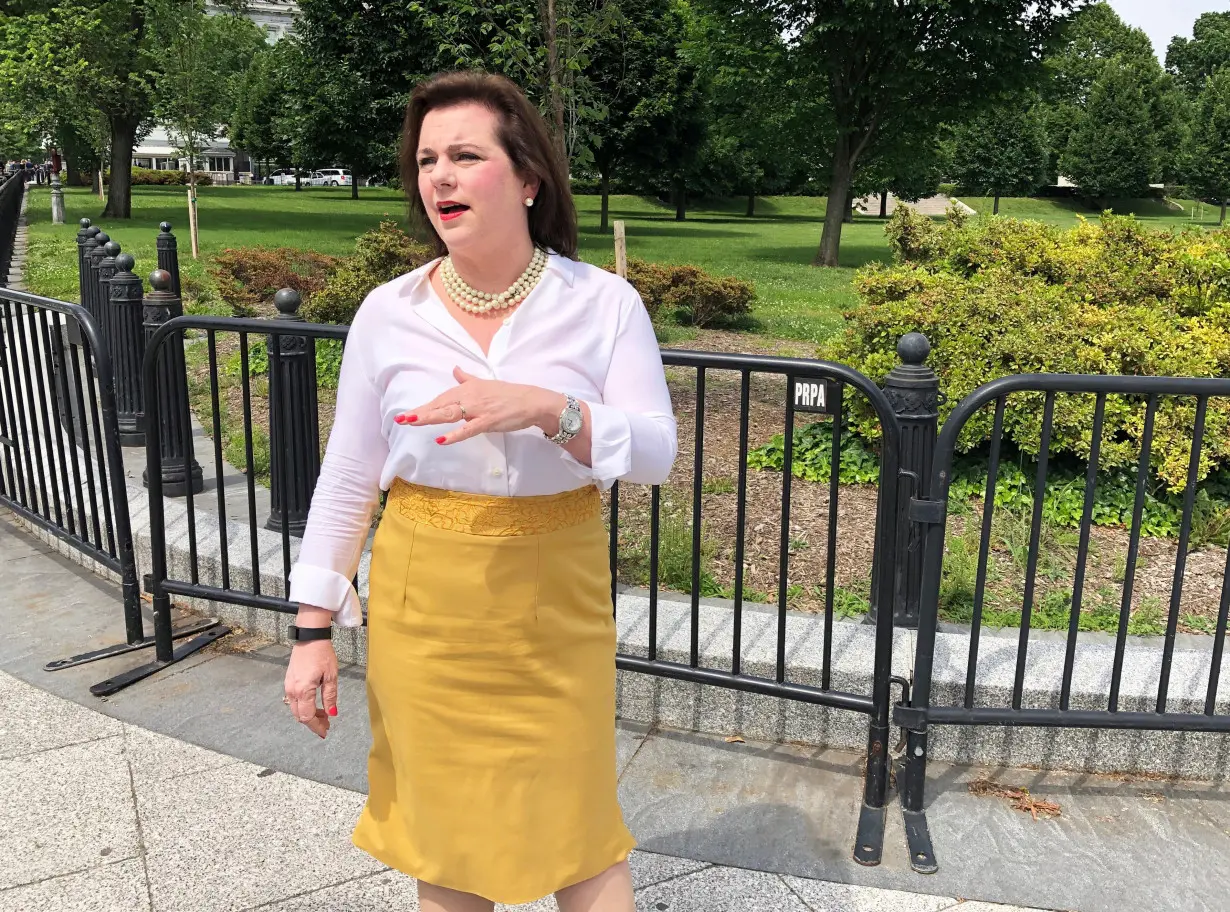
[168, 257]
[103, 272]
[294, 424]
[179, 468]
[126, 341]
[89, 294]
[82, 234]
[914, 391]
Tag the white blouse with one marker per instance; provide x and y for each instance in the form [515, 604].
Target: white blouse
[581, 330]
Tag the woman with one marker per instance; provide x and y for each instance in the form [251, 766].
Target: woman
[493, 393]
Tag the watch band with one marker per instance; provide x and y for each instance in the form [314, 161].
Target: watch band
[304, 634]
[571, 405]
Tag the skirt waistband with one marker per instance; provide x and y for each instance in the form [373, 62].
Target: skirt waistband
[482, 514]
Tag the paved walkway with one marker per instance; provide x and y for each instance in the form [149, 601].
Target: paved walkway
[99, 812]
[103, 815]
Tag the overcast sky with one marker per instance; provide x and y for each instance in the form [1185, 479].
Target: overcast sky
[1163, 19]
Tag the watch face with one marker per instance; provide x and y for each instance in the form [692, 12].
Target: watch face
[571, 422]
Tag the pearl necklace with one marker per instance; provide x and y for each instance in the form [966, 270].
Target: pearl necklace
[480, 302]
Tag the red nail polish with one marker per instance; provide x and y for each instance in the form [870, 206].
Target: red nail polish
[399, 419]
[412, 419]
[333, 710]
[439, 440]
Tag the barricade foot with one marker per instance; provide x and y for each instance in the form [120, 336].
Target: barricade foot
[121, 648]
[870, 845]
[119, 682]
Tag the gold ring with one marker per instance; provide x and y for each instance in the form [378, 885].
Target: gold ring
[463, 411]
[286, 700]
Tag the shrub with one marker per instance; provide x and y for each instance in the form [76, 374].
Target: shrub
[999, 297]
[177, 178]
[249, 277]
[689, 295]
[381, 255]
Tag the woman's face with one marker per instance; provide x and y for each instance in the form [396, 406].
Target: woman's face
[472, 194]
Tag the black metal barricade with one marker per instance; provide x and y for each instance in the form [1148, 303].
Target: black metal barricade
[1144, 395]
[61, 467]
[231, 347]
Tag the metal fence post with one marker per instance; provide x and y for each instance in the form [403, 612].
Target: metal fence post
[294, 424]
[89, 292]
[126, 342]
[168, 257]
[914, 391]
[177, 463]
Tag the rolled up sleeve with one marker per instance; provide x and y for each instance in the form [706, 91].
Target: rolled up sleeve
[346, 495]
[633, 428]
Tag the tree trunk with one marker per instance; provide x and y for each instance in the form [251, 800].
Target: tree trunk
[848, 216]
[751, 204]
[995, 211]
[605, 182]
[883, 204]
[193, 223]
[1223, 212]
[296, 180]
[681, 199]
[354, 184]
[123, 138]
[838, 204]
[554, 84]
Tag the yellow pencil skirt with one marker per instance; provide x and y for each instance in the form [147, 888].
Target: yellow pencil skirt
[491, 688]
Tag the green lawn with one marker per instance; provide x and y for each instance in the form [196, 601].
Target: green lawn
[773, 250]
[1065, 212]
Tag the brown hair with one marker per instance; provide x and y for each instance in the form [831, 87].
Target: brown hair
[525, 138]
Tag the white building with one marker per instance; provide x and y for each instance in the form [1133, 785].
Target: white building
[223, 164]
[276, 17]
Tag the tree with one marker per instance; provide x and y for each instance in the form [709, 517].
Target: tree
[204, 58]
[752, 129]
[1003, 150]
[350, 73]
[1113, 152]
[882, 61]
[632, 69]
[1084, 45]
[542, 45]
[910, 163]
[1209, 152]
[1193, 61]
[261, 101]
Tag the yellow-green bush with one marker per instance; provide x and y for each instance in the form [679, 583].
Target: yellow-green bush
[380, 256]
[999, 296]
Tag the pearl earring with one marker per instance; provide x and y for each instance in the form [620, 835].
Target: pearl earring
[529, 201]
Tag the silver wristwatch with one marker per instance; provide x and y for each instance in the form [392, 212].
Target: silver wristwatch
[569, 421]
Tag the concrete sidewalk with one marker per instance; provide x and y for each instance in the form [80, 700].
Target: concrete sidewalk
[194, 790]
[103, 815]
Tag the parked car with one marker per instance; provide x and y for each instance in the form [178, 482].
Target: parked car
[331, 177]
[281, 177]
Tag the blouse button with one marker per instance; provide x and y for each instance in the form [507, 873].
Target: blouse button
[497, 472]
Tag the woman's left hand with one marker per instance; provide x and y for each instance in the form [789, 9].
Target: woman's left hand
[486, 406]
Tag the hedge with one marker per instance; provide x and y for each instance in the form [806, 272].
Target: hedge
[999, 296]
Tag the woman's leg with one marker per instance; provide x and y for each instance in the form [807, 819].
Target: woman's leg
[610, 891]
[441, 899]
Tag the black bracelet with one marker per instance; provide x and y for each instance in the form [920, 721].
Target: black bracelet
[304, 634]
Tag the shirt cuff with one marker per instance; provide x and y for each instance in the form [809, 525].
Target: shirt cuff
[324, 588]
[610, 448]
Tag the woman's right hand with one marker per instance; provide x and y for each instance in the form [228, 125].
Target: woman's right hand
[313, 667]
